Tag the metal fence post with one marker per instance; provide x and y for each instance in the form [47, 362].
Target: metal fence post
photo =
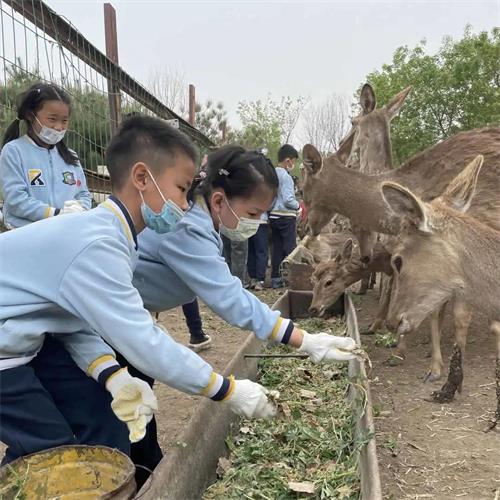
[114, 96]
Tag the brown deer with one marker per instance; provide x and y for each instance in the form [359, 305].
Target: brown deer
[362, 200]
[443, 253]
[330, 187]
[331, 278]
[371, 151]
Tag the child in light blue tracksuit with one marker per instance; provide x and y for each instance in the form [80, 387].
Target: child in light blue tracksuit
[39, 176]
[175, 268]
[75, 283]
[283, 216]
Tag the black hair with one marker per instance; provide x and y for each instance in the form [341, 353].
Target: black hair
[238, 172]
[144, 138]
[29, 103]
[287, 151]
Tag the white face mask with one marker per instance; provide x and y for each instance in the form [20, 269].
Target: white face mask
[245, 228]
[49, 135]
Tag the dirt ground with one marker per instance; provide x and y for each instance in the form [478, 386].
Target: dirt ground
[429, 450]
[176, 408]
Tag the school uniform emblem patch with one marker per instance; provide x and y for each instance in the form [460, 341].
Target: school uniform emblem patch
[35, 177]
[69, 178]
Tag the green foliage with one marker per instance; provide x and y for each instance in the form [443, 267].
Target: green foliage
[18, 80]
[210, 119]
[456, 89]
[385, 339]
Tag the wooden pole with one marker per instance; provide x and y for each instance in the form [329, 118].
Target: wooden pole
[224, 131]
[114, 97]
[192, 104]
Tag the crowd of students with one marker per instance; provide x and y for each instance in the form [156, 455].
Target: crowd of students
[79, 346]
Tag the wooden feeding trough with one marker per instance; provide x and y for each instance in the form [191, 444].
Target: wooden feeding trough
[205, 435]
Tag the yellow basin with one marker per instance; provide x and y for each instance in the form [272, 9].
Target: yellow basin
[69, 473]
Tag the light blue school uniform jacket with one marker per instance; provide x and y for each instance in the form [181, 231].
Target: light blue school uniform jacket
[286, 204]
[36, 181]
[177, 267]
[71, 276]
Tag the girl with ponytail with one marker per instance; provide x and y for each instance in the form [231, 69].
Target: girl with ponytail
[40, 176]
[176, 267]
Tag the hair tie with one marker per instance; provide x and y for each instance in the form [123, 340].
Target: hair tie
[223, 171]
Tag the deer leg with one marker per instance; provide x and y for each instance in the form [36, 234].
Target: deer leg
[455, 378]
[373, 281]
[462, 316]
[383, 309]
[363, 286]
[382, 286]
[436, 367]
[495, 328]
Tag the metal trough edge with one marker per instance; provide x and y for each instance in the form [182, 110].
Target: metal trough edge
[371, 487]
[186, 471]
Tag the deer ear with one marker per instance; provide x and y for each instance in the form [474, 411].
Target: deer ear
[397, 101]
[461, 190]
[367, 99]
[312, 159]
[345, 148]
[406, 206]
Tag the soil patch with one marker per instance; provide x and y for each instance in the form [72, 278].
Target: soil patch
[430, 450]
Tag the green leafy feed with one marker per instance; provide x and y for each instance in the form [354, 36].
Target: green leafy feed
[309, 449]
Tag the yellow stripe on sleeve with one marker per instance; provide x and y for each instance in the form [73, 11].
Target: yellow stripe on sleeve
[98, 361]
[276, 328]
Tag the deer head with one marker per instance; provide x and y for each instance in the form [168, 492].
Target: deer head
[426, 261]
[332, 277]
[372, 143]
[316, 186]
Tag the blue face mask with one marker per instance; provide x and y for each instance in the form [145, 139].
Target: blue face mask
[167, 219]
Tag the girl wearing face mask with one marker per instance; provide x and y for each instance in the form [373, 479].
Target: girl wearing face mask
[176, 267]
[40, 176]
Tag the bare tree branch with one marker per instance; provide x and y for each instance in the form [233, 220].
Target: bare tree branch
[170, 87]
[327, 123]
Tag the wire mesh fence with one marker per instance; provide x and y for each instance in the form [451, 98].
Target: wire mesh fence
[39, 45]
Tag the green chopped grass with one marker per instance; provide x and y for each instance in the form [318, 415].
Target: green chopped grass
[312, 439]
[385, 339]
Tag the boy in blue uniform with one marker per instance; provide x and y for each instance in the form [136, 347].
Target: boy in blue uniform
[283, 216]
[78, 288]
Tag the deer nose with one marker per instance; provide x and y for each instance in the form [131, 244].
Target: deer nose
[313, 310]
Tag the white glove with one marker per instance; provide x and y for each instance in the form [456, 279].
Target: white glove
[133, 402]
[323, 347]
[72, 207]
[249, 400]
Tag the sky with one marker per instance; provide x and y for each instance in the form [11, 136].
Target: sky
[233, 51]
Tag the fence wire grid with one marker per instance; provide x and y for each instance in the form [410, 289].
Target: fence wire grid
[39, 45]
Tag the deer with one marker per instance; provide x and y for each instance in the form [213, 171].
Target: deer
[444, 253]
[427, 173]
[332, 277]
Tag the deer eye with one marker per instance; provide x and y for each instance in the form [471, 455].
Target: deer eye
[329, 283]
[397, 263]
